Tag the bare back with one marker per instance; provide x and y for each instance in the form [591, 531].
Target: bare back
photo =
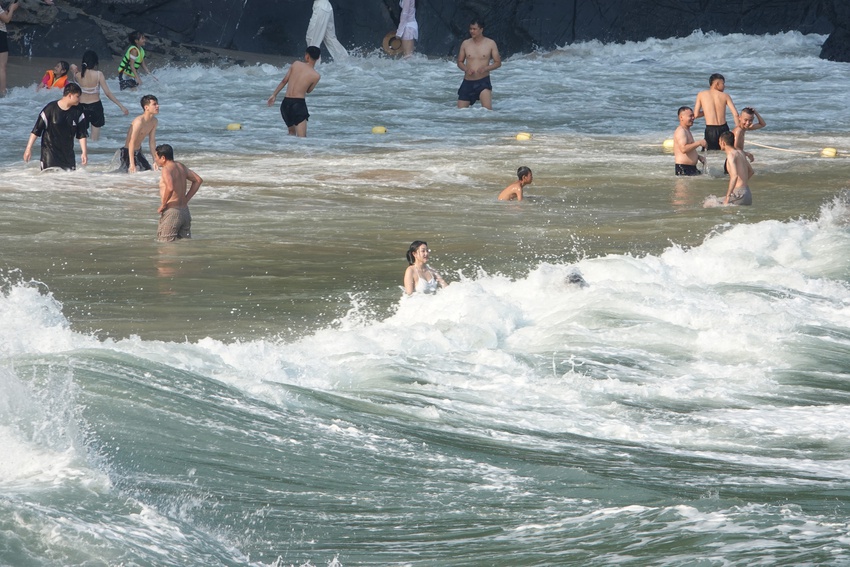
[172, 184]
[712, 104]
[88, 82]
[302, 80]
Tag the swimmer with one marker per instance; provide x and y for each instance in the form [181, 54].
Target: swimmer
[514, 190]
[711, 104]
[684, 146]
[58, 124]
[174, 218]
[419, 276]
[477, 57]
[745, 125]
[91, 82]
[300, 80]
[740, 172]
[55, 78]
[134, 57]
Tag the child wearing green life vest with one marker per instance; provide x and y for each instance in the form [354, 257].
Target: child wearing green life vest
[134, 57]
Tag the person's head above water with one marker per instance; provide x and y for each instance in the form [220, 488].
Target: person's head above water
[522, 172]
[414, 246]
[314, 52]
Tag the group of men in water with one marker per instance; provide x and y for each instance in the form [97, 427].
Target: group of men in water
[711, 104]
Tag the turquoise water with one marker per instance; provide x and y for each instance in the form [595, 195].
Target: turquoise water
[262, 395]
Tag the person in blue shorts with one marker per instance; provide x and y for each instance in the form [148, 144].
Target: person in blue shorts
[477, 57]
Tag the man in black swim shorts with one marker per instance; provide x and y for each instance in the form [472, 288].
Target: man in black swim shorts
[684, 145]
[300, 79]
[478, 56]
[711, 104]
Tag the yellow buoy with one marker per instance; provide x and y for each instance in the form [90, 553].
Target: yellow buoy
[668, 144]
[379, 130]
[234, 126]
[523, 136]
[828, 152]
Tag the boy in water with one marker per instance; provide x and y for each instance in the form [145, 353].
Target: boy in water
[740, 172]
[514, 190]
[142, 126]
[58, 124]
[301, 79]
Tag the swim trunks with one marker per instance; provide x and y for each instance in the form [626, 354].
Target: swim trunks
[684, 169]
[174, 223]
[470, 91]
[741, 196]
[94, 111]
[141, 163]
[712, 136]
[126, 83]
[294, 111]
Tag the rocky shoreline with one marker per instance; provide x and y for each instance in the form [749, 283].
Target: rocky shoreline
[196, 31]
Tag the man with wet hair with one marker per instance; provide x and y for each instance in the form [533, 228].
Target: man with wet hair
[684, 145]
[142, 126]
[740, 172]
[478, 56]
[58, 124]
[711, 104]
[300, 79]
[174, 220]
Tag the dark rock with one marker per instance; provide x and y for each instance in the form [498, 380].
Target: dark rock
[278, 26]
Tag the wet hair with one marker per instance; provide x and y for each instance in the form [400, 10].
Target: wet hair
[90, 61]
[728, 138]
[477, 22]
[414, 246]
[166, 151]
[65, 66]
[716, 77]
[72, 88]
[147, 99]
[683, 109]
[522, 172]
[135, 36]
[314, 52]
[749, 111]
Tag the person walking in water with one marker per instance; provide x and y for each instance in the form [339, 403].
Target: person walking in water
[174, 218]
[58, 124]
[301, 79]
[142, 126]
[740, 172]
[91, 82]
[134, 57]
[478, 56]
[711, 104]
[419, 276]
[321, 29]
[408, 29]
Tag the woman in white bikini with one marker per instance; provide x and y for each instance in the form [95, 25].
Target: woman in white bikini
[91, 81]
[419, 276]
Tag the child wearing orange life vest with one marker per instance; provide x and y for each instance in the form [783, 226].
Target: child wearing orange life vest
[55, 78]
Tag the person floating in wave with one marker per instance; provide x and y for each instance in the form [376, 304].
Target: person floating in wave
[740, 172]
[711, 104]
[142, 126]
[55, 78]
[684, 145]
[514, 190]
[174, 218]
[419, 276]
[745, 125]
[134, 57]
[477, 57]
[300, 79]
[58, 124]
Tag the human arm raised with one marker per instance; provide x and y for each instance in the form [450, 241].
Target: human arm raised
[6, 16]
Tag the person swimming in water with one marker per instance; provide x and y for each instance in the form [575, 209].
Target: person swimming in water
[419, 276]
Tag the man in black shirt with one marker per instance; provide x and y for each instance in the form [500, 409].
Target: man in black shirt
[58, 124]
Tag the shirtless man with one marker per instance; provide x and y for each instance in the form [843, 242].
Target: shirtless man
[174, 221]
[745, 125]
[301, 79]
[711, 104]
[477, 57]
[143, 125]
[740, 172]
[684, 146]
[514, 190]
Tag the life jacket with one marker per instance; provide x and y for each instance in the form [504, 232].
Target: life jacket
[128, 66]
[52, 82]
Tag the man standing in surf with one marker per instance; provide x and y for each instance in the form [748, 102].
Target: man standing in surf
[301, 79]
[740, 172]
[174, 218]
[684, 146]
[711, 104]
[477, 57]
